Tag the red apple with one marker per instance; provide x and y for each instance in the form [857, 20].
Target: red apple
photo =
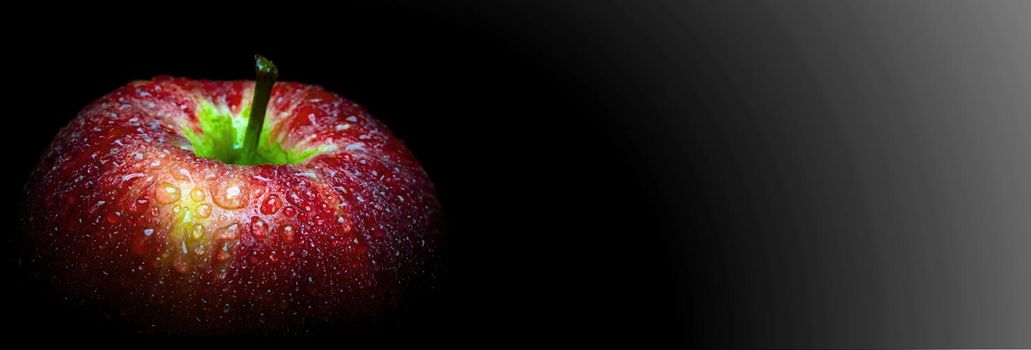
[157, 204]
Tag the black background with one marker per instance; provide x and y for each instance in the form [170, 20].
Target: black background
[555, 231]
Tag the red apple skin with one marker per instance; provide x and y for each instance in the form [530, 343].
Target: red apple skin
[343, 236]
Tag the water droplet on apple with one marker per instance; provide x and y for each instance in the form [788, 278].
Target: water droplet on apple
[113, 216]
[180, 264]
[294, 199]
[271, 204]
[198, 231]
[229, 195]
[259, 229]
[197, 194]
[259, 190]
[290, 211]
[166, 193]
[138, 205]
[200, 249]
[225, 253]
[288, 234]
[204, 210]
[180, 174]
[229, 232]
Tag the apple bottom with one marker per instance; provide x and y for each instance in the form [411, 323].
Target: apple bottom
[272, 267]
[180, 245]
[261, 293]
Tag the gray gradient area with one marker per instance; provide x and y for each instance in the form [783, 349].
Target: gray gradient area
[864, 166]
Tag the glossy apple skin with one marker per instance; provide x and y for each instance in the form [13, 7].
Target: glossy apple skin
[122, 215]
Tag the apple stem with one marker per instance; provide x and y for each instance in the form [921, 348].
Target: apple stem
[266, 73]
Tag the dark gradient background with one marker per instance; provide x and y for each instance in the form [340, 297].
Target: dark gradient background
[656, 173]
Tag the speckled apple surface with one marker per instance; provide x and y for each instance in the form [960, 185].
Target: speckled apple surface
[137, 207]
